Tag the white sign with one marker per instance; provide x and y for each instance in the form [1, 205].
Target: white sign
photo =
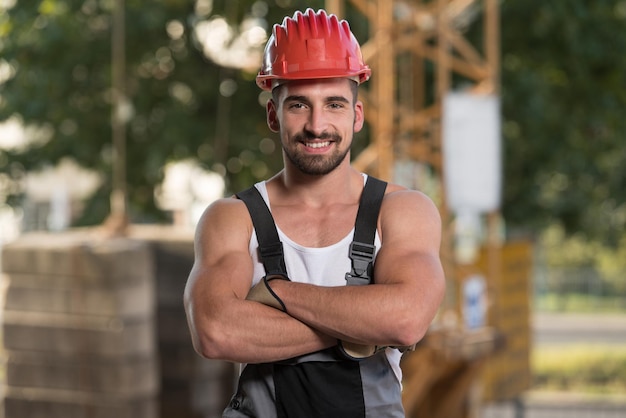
[471, 152]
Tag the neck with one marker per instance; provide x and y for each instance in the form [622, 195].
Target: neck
[342, 184]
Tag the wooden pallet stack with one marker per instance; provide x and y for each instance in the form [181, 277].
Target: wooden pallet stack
[78, 328]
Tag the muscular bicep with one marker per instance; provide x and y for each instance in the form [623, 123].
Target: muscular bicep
[222, 265]
[411, 234]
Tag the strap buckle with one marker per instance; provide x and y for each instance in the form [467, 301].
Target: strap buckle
[362, 256]
[272, 257]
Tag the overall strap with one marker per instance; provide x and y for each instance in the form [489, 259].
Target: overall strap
[362, 249]
[270, 246]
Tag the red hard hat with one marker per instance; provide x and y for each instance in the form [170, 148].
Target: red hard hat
[311, 45]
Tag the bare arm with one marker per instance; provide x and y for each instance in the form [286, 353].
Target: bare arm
[223, 324]
[409, 282]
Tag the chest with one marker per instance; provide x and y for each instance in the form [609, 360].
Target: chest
[315, 227]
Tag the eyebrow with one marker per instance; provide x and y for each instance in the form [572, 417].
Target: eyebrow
[299, 98]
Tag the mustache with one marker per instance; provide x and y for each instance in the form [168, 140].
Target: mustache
[308, 135]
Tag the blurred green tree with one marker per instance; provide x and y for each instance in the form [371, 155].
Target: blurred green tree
[564, 101]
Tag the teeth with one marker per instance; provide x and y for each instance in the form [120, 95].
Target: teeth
[318, 144]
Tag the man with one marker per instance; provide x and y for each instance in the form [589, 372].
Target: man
[296, 347]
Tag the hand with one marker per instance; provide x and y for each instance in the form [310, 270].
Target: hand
[354, 351]
[262, 292]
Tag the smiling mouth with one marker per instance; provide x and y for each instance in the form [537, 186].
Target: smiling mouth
[317, 144]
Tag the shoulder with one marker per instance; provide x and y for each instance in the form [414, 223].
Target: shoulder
[409, 211]
[398, 198]
[228, 209]
[226, 220]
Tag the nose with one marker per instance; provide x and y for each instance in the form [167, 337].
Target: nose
[316, 123]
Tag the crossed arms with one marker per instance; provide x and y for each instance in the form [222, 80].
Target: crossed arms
[396, 310]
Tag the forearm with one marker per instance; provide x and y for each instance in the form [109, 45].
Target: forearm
[249, 332]
[374, 314]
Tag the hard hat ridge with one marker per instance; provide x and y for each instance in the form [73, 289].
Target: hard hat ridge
[311, 45]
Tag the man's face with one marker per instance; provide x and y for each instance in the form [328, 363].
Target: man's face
[316, 120]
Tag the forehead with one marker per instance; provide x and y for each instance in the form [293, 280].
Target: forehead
[326, 87]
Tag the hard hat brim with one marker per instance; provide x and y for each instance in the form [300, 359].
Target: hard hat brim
[269, 81]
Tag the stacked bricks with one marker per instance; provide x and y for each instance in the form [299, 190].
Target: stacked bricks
[95, 328]
[79, 327]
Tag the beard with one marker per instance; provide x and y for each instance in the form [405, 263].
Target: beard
[316, 165]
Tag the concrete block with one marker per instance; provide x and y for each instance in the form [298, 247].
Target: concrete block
[128, 376]
[55, 294]
[74, 335]
[48, 403]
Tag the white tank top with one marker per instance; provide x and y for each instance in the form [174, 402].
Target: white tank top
[323, 266]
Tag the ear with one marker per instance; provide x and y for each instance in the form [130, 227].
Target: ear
[272, 115]
[359, 116]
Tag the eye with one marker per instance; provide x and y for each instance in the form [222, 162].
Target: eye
[297, 105]
[338, 103]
